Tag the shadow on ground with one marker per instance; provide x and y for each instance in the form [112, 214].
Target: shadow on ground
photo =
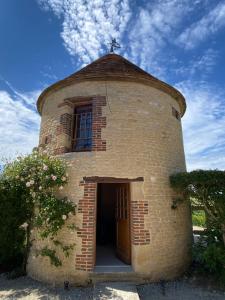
[177, 290]
[27, 289]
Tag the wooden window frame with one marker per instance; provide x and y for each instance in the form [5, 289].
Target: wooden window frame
[74, 126]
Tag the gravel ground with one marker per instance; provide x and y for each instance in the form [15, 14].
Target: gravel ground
[27, 289]
[177, 290]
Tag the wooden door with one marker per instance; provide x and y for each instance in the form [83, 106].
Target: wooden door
[123, 247]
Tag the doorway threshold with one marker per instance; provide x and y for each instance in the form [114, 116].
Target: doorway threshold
[113, 269]
[108, 262]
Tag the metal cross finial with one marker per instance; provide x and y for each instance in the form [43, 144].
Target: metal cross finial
[114, 45]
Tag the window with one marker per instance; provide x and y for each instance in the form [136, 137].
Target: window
[175, 113]
[82, 129]
[48, 139]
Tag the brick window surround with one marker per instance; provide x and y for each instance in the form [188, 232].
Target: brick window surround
[98, 121]
[85, 259]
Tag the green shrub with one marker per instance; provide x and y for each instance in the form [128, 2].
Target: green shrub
[12, 215]
[211, 258]
[198, 218]
[205, 188]
[28, 189]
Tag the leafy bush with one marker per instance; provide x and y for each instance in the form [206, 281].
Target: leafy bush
[210, 257]
[28, 188]
[12, 215]
[206, 188]
[198, 218]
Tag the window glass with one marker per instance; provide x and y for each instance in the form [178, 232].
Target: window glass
[83, 128]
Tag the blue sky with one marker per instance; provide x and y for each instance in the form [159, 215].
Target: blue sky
[179, 41]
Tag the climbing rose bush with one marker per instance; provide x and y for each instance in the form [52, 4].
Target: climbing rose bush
[39, 178]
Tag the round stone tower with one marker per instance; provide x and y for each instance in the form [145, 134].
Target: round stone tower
[119, 129]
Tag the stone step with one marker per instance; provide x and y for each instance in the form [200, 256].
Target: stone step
[115, 290]
[132, 277]
[113, 269]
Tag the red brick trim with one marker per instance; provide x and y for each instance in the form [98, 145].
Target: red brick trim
[86, 259]
[139, 235]
[98, 122]
[65, 124]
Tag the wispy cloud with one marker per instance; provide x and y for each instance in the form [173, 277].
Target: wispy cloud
[88, 26]
[29, 99]
[200, 64]
[145, 33]
[155, 27]
[48, 73]
[203, 124]
[19, 123]
[151, 35]
[202, 29]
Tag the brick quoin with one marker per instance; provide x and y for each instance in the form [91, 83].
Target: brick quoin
[98, 122]
[85, 260]
[139, 235]
[65, 124]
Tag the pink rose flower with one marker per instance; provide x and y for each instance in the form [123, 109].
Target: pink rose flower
[54, 177]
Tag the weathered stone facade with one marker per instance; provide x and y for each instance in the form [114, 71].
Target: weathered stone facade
[136, 134]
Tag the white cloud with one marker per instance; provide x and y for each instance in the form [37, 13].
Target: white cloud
[145, 31]
[19, 123]
[148, 36]
[88, 26]
[154, 28]
[200, 64]
[48, 73]
[203, 125]
[206, 26]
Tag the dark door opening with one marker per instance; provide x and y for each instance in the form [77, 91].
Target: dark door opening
[113, 224]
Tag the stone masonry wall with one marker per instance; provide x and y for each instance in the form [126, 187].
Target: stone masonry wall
[142, 138]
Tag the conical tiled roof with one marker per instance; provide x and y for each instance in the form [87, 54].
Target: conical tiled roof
[114, 67]
[111, 66]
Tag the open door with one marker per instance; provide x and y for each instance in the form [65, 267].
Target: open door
[123, 247]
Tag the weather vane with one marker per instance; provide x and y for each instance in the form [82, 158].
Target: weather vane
[114, 45]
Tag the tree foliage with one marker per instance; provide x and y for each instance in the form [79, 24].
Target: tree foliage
[13, 213]
[206, 188]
